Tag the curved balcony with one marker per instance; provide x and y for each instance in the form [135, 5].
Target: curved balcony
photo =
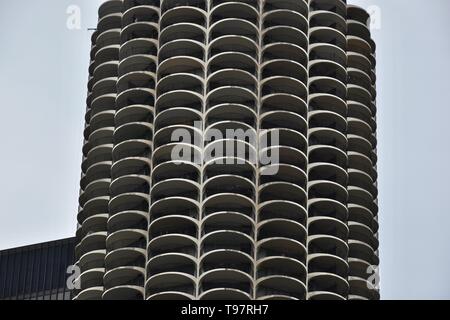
[229, 259]
[92, 260]
[140, 13]
[327, 286]
[129, 256]
[238, 43]
[170, 282]
[176, 169]
[125, 279]
[227, 239]
[292, 5]
[225, 283]
[285, 51]
[172, 262]
[275, 247]
[138, 49]
[125, 292]
[234, 9]
[179, 99]
[362, 288]
[276, 286]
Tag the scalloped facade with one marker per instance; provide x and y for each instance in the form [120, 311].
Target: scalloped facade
[150, 227]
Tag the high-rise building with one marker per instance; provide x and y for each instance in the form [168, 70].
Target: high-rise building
[292, 216]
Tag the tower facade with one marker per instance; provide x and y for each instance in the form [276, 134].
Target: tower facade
[168, 212]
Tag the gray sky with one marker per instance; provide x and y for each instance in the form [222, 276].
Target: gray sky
[43, 75]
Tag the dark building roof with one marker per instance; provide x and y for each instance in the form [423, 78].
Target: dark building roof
[36, 272]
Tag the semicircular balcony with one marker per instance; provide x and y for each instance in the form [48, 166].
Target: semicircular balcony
[177, 187]
[283, 191]
[177, 116]
[361, 162]
[336, 6]
[174, 206]
[130, 219]
[359, 45]
[281, 119]
[324, 189]
[285, 34]
[284, 266]
[280, 286]
[329, 154]
[284, 85]
[218, 166]
[285, 17]
[327, 286]
[93, 207]
[176, 169]
[232, 151]
[328, 207]
[239, 44]
[227, 220]
[234, 9]
[233, 202]
[363, 233]
[226, 283]
[327, 244]
[169, 135]
[327, 263]
[328, 172]
[327, 35]
[172, 262]
[181, 65]
[361, 289]
[138, 49]
[172, 244]
[170, 282]
[91, 242]
[140, 13]
[186, 13]
[277, 209]
[231, 78]
[291, 5]
[169, 4]
[94, 293]
[279, 246]
[324, 225]
[138, 30]
[284, 102]
[284, 68]
[129, 256]
[284, 173]
[173, 224]
[128, 276]
[181, 48]
[130, 166]
[363, 251]
[230, 259]
[180, 82]
[281, 228]
[232, 60]
[183, 30]
[228, 183]
[131, 148]
[325, 18]
[135, 96]
[284, 51]
[328, 129]
[227, 240]
[179, 99]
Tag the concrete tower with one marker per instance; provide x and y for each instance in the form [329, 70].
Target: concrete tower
[164, 217]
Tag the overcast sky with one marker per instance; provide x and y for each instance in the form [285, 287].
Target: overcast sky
[43, 75]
